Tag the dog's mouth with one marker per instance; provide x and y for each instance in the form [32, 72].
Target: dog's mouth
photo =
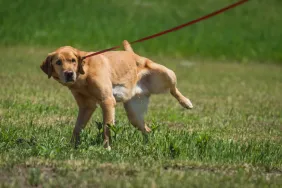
[70, 80]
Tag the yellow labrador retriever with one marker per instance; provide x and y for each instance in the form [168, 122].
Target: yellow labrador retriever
[108, 78]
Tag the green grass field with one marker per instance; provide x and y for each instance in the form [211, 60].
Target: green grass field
[230, 67]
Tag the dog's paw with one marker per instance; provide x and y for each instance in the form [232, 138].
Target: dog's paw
[187, 104]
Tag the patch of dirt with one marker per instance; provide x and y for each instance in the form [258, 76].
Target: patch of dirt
[225, 170]
[24, 176]
[37, 173]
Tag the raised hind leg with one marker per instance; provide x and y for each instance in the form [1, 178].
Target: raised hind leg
[158, 79]
[161, 79]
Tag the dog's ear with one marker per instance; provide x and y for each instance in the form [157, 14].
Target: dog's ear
[80, 61]
[80, 65]
[46, 66]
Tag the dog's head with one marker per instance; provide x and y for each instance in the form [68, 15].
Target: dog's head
[64, 65]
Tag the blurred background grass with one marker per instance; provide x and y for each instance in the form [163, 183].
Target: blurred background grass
[251, 32]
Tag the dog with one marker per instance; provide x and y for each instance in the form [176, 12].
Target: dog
[109, 78]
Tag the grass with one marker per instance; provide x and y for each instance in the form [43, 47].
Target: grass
[247, 33]
[232, 138]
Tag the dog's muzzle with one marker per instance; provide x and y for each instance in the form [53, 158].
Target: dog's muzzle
[69, 76]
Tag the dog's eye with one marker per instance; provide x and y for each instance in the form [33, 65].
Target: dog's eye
[73, 60]
[59, 62]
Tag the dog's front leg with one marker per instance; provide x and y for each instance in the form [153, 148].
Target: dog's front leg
[86, 109]
[108, 108]
[83, 117]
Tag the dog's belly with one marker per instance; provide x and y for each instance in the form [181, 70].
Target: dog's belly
[122, 94]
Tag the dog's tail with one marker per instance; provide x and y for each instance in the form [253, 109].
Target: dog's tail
[127, 46]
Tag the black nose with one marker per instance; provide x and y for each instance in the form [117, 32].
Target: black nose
[69, 76]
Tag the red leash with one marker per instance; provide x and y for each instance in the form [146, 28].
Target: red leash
[175, 28]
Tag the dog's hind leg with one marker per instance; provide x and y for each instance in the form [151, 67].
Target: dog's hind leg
[183, 101]
[135, 110]
[161, 79]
